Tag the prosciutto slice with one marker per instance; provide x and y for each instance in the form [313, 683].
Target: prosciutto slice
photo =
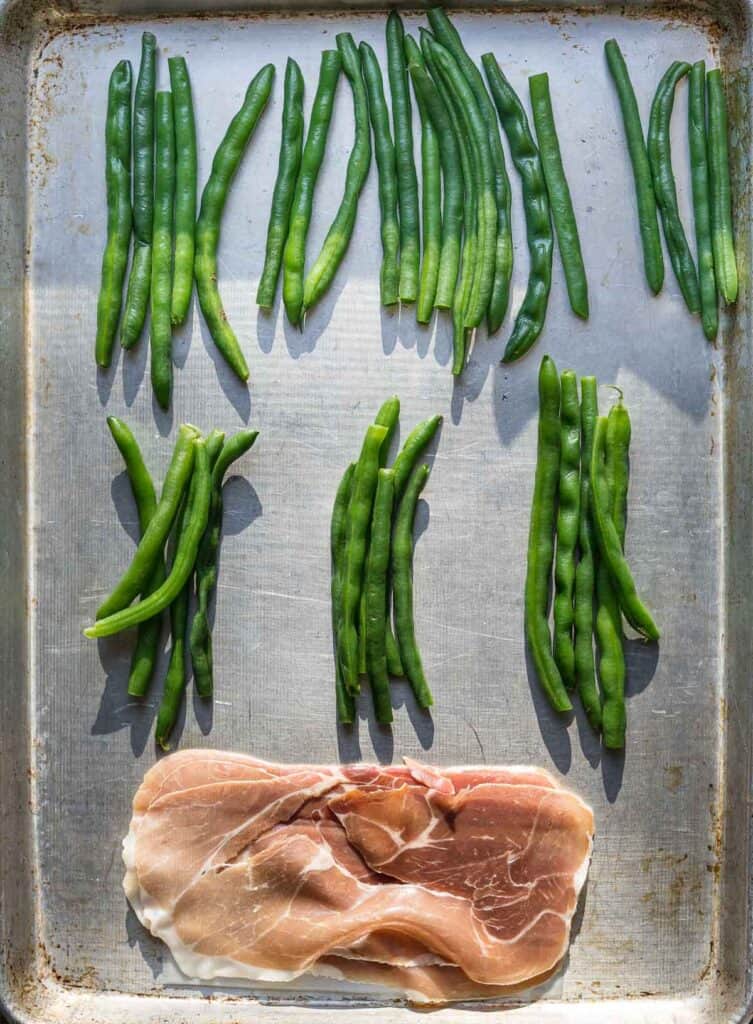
[442, 884]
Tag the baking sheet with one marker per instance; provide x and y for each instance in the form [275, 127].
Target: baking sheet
[663, 931]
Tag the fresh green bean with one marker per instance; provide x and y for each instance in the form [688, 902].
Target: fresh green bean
[568, 519]
[185, 189]
[338, 527]
[585, 573]
[225, 164]
[162, 250]
[119, 217]
[137, 295]
[175, 677]
[151, 545]
[431, 214]
[338, 237]
[449, 37]
[407, 183]
[610, 548]
[560, 200]
[725, 264]
[294, 255]
[660, 159]
[541, 534]
[653, 261]
[402, 584]
[389, 274]
[699, 172]
[291, 147]
[410, 453]
[185, 555]
[394, 664]
[530, 318]
[618, 436]
[452, 177]
[375, 588]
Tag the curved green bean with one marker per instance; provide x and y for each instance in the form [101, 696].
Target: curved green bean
[407, 182]
[338, 528]
[431, 215]
[119, 216]
[585, 572]
[175, 677]
[413, 447]
[291, 147]
[389, 274]
[529, 321]
[375, 588]
[185, 189]
[699, 173]
[568, 520]
[722, 235]
[560, 200]
[653, 261]
[137, 295]
[224, 166]
[162, 252]
[294, 255]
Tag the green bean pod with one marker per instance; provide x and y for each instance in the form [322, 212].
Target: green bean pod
[338, 237]
[407, 182]
[585, 572]
[375, 588]
[137, 295]
[185, 189]
[560, 200]
[294, 255]
[722, 235]
[541, 537]
[389, 274]
[162, 252]
[617, 442]
[392, 653]
[402, 584]
[119, 216]
[338, 528]
[653, 261]
[431, 215]
[175, 676]
[699, 173]
[225, 164]
[288, 167]
[660, 159]
[529, 321]
[413, 447]
[568, 520]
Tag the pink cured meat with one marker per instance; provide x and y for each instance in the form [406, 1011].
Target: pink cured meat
[440, 883]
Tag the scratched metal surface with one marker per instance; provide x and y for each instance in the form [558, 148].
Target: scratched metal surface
[663, 932]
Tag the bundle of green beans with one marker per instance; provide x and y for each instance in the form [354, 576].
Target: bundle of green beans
[580, 498]
[187, 520]
[371, 541]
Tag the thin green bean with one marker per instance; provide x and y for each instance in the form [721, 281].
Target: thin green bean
[162, 251]
[722, 235]
[407, 183]
[175, 677]
[413, 447]
[699, 173]
[338, 528]
[185, 189]
[375, 588]
[431, 215]
[568, 520]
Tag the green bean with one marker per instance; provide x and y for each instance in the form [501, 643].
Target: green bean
[147, 638]
[118, 185]
[407, 182]
[185, 189]
[162, 249]
[530, 319]
[660, 159]
[560, 201]
[137, 295]
[585, 572]
[294, 255]
[541, 534]
[291, 147]
[618, 465]
[185, 556]
[338, 527]
[610, 548]
[653, 261]
[725, 264]
[338, 237]
[175, 677]
[394, 664]
[568, 519]
[402, 583]
[150, 547]
[356, 543]
[375, 588]
[225, 164]
[431, 215]
[410, 453]
[200, 640]
[699, 172]
[449, 37]
[389, 274]
[452, 177]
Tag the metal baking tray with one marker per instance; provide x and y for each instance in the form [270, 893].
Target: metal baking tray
[665, 928]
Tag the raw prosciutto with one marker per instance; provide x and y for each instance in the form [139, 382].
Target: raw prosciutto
[441, 883]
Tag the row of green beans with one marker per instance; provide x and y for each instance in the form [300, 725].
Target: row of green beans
[580, 501]
[187, 521]
[371, 542]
